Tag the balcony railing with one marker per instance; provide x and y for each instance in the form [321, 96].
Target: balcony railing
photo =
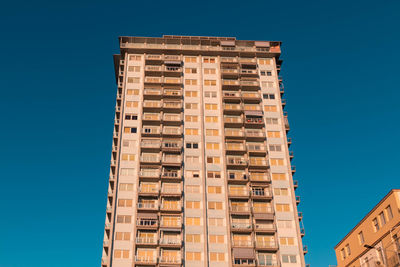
[266, 244]
[265, 226]
[254, 120]
[229, 71]
[146, 205]
[151, 117]
[260, 177]
[238, 192]
[150, 159]
[238, 176]
[174, 224]
[146, 240]
[230, 82]
[247, 60]
[152, 92]
[249, 83]
[248, 95]
[232, 107]
[260, 192]
[233, 119]
[242, 243]
[171, 174]
[171, 206]
[148, 260]
[172, 105]
[152, 104]
[170, 260]
[235, 146]
[172, 92]
[170, 241]
[267, 262]
[236, 161]
[172, 131]
[153, 80]
[260, 209]
[150, 144]
[147, 222]
[231, 94]
[248, 71]
[234, 133]
[258, 162]
[148, 190]
[255, 133]
[172, 160]
[229, 59]
[235, 208]
[146, 173]
[153, 68]
[252, 107]
[171, 190]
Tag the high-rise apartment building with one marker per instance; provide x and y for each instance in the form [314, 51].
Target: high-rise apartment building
[375, 240]
[200, 167]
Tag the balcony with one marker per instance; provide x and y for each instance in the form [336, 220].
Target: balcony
[153, 68]
[175, 206]
[291, 155]
[148, 206]
[244, 60]
[152, 93]
[146, 241]
[248, 72]
[230, 95]
[172, 131]
[237, 177]
[252, 107]
[175, 81]
[172, 57]
[250, 84]
[150, 159]
[295, 184]
[261, 192]
[236, 209]
[260, 177]
[146, 260]
[172, 146]
[233, 121]
[151, 118]
[171, 175]
[302, 231]
[172, 105]
[170, 242]
[151, 105]
[172, 71]
[265, 227]
[229, 72]
[172, 160]
[300, 215]
[172, 93]
[226, 83]
[251, 96]
[232, 108]
[149, 173]
[262, 209]
[236, 162]
[243, 262]
[255, 135]
[242, 243]
[265, 244]
[153, 80]
[238, 192]
[305, 249]
[148, 190]
[297, 200]
[171, 191]
[293, 169]
[267, 262]
[235, 148]
[257, 148]
[171, 224]
[289, 141]
[147, 223]
[150, 145]
[229, 60]
[170, 260]
[234, 133]
[154, 58]
[258, 162]
[172, 119]
[254, 121]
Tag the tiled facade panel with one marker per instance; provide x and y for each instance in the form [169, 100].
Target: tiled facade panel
[200, 171]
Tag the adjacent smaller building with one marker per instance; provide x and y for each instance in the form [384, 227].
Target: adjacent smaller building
[375, 240]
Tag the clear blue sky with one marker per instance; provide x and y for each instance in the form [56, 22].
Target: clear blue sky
[341, 76]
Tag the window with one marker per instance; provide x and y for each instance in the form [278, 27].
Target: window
[213, 205]
[289, 258]
[285, 224]
[216, 239]
[193, 204]
[192, 189]
[283, 207]
[190, 70]
[382, 218]
[342, 254]
[262, 73]
[269, 73]
[191, 131]
[286, 241]
[131, 104]
[210, 82]
[190, 82]
[123, 236]
[209, 60]
[278, 176]
[275, 148]
[267, 84]
[134, 68]
[192, 174]
[191, 93]
[273, 121]
[131, 117]
[216, 221]
[192, 145]
[214, 190]
[210, 94]
[191, 105]
[121, 254]
[132, 92]
[193, 256]
[361, 238]
[212, 132]
[124, 219]
[212, 119]
[125, 187]
[127, 171]
[212, 146]
[192, 159]
[133, 80]
[190, 118]
[348, 251]
[213, 160]
[212, 174]
[273, 134]
[135, 57]
[211, 106]
[270, 108]
[193, 221]
[128, 157]
[268, 96]
[124, 202]
[375, 224]
[217, 256]
[190, 59]
[264, 61]
[389, 212]
[192, 238]
[277, 162]
[130, 130]
[281, 191]
[209, 71]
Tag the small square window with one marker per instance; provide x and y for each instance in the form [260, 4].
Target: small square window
[269, 73]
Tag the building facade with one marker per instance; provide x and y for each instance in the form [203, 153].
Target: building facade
[200, 167]
[375, 240]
